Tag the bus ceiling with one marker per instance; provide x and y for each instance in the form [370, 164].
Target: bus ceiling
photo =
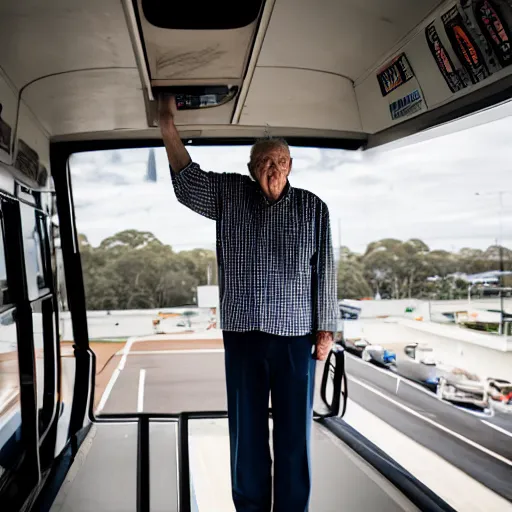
[312, 70]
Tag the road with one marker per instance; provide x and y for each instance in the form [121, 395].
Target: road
[460, 437]
[173, 381]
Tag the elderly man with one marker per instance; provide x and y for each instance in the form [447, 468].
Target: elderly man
[278, 311]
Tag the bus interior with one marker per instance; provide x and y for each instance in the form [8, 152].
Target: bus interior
[79, 80]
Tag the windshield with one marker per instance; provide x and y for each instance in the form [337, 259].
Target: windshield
[422, 241]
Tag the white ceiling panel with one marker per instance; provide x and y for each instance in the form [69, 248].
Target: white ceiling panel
[340, 36]
[301, 98]
[88, 101]
[38, 38]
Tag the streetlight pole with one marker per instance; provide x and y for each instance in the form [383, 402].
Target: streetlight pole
[500, 248]
[502, 309]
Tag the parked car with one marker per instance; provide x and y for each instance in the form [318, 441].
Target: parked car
[499, 392]
[464, 389]
[379, 356]
[417, 363]
[351, 331]
[352, 337]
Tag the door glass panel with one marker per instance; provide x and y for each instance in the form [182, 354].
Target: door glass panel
[4, 289]
[37, 321]
[33, 251]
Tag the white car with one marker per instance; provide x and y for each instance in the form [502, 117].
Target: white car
[378, 355]
[417, 363]
[500, 395]
[463, 389]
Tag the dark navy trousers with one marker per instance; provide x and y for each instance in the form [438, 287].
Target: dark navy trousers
[257, 364]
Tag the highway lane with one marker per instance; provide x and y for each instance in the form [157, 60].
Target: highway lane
[458, 436]
[176, 382]
[425, 402]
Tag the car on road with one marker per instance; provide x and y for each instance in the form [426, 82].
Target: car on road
[417, 363]
[355, 345]
[499, 392]
[379, 356]
[463, 389]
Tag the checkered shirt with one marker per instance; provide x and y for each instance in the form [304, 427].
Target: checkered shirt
[265, 253]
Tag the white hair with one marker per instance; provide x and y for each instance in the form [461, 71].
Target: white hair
[268, 143]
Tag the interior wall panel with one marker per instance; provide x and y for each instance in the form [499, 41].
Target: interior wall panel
[375, 108]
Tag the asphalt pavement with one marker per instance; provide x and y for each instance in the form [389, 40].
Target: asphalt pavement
[176, 381]
[460, 437]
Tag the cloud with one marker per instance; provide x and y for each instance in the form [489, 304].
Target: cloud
[425, 190]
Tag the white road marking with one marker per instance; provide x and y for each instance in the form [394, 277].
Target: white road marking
[433, 423]
[499, 429]
[177, 352]
[108, 389]
[140, 398]
[115, 374]
[126, 351]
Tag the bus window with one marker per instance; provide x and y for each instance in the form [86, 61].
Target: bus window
[38, 272]
[423, 252]
[10, 417]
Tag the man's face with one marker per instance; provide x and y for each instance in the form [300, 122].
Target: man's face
[271, 167]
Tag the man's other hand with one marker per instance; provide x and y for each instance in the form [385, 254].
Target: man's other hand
[324, 341]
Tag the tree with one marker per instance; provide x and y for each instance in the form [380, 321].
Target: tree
[351, 281]
[396, 269]
[134, 270]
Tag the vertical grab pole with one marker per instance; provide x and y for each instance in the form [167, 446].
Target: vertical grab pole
[143, 501]
[184, 464]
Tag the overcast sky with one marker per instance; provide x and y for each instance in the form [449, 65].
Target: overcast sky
[426, 190]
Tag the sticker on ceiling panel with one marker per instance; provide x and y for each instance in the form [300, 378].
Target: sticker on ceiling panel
[472, 26]
[27, 160]
[394, 74]
[5, 134]
[464, 46]
[406, 106]
[494, 20]
[456, 78]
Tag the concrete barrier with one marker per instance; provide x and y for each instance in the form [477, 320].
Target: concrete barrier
[118, 324]
[486, 355]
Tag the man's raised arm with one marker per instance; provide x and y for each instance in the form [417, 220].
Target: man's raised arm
[177, 154]
[198, 190]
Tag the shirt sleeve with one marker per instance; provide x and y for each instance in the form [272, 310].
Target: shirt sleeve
[199, 190]
[327, 309]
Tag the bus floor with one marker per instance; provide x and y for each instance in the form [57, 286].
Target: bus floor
[103, 475]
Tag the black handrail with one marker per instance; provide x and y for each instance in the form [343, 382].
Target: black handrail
[143, 466]
[183, 464]
[155, 416]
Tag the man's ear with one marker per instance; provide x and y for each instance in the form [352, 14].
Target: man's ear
[291, 162]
